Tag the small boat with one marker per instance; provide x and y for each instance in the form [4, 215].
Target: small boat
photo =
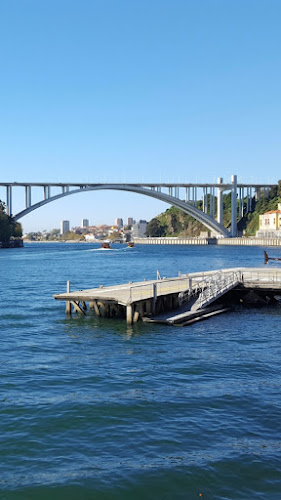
[131, 244]
[266, 258]
[106, 245]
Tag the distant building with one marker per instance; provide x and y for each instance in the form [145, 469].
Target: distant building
[119, 223]
[90, 237]
[64, 226]
[139, 229]
[85, 223]
[130, 221]
[270, 224]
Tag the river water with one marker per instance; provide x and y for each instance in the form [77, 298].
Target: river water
[94, 409]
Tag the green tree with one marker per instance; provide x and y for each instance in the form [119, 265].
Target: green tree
[154, 228]
[8, 227]
[17, 230]
[5, 224]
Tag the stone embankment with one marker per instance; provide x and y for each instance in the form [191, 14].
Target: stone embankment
[243, 241]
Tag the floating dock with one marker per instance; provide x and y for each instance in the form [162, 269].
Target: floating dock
[179, 300]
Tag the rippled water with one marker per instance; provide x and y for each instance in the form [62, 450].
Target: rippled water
[93, 409]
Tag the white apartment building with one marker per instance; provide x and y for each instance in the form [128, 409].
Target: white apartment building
[64, 226]
[119, 222]
[85, 223]
[139, 229]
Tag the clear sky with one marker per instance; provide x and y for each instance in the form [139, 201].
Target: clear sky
[136, 91]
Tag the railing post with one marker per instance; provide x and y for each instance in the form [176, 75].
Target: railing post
[154, 298]
[68, 303]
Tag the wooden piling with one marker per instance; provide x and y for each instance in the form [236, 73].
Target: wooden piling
[129, 314]
[68, 302]
[94, 305]
[136, 316]
[77, 307]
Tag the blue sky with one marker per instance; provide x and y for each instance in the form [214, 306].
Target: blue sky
[136, 91]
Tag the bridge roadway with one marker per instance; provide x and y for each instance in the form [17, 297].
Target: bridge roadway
[186, 201]
[146, 298]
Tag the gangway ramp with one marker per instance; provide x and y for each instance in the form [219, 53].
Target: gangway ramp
[215, 286]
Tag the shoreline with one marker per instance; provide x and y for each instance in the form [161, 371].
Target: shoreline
[240, 241]
[17, 243]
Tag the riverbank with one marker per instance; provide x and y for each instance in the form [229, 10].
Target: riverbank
[17, 243]
[243, 241]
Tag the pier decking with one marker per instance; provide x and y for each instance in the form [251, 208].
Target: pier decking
[188, 295]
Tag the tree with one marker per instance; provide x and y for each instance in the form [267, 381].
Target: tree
[8, 227]
[17, 230]
[154, 228]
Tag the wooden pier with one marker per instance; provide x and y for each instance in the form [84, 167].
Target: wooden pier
[175, 300]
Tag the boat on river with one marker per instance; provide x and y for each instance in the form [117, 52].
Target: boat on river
[106, 245]
[131, 244]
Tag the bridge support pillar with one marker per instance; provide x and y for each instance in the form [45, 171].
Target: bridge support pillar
[234, 206]
[194, 196]
[204, 201]
[27, 196]
[212, 202]
[220, 202]
[9, 200]
[46, 192]
[240, 202]
[248, 200]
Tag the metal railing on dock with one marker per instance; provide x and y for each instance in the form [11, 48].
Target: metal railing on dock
[215, 286]
[148, 297]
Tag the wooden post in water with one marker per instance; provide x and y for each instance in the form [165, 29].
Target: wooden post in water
[93, 305]
[129, 314]
[68, 303]
[136, 316]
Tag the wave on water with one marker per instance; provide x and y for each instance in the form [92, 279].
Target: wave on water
[105, 250]
[109, 249]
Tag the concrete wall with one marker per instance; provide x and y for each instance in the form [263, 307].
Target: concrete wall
[210, 241]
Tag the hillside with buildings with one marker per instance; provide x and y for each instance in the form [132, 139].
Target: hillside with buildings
[174, 222]
[92, 233]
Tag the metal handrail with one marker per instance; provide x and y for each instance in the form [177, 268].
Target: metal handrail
[217, 284]
[207, 284]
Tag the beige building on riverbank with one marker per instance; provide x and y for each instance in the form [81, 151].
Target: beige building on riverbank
[270, 224]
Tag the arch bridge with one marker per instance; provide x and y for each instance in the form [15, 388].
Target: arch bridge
[181, 195]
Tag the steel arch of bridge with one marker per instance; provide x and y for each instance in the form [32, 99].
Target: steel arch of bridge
[186, 207]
